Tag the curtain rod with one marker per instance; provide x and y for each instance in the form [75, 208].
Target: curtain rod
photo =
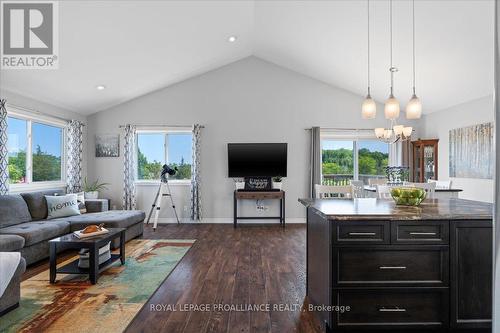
[342, 129]
[122, 126]
[25, 109]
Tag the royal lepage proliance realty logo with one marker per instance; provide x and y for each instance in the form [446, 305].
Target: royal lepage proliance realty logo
[30, 35]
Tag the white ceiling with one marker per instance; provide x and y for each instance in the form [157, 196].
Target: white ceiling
[135, 47]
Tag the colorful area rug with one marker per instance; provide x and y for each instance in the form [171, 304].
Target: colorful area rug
[73, 304]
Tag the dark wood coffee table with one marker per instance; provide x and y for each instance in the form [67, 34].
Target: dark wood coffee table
[93, 244]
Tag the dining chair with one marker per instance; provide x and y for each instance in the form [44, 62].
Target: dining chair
[383, 191]
[430, 188]
[377, 181]
[358, 188]
[441, 184]
[328, 191]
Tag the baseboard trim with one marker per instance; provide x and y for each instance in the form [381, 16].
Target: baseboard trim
[228, 220]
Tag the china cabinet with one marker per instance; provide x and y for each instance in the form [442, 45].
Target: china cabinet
[425, 160]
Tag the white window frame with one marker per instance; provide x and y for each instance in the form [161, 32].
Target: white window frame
[30, 185]
[165, 131]
[352, 136]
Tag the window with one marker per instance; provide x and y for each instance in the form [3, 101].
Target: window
[373, 159]
[154, 149]
[17, 139]
[46, 152]
[35, 151]
[352, 159]
[337, 161]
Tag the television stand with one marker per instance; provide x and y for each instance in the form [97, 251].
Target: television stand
[259, 195]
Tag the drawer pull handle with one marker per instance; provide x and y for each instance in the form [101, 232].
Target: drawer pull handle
[423, 233]
[392, 267]
[392, 310]
[362, 234]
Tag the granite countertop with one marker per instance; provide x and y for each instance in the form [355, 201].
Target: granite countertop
[383, 209]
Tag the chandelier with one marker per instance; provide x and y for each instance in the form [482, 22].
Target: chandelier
[394, 132]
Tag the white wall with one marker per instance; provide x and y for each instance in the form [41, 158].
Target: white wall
[248, 101]
[50, 110]
[438, 125]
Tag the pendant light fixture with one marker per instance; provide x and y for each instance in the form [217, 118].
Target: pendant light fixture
[414, 107]
[369, 107]
[391, 108]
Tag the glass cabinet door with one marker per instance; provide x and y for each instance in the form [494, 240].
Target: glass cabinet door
[429, 160]
[417, 163]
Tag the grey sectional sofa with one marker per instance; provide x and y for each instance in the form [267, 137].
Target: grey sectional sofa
[23, 219]
[10, 298]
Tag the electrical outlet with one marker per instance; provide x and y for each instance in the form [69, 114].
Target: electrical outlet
[186, 208]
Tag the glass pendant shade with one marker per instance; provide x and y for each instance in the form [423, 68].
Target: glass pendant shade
[387, 134]
[369, 108]
[391, 109]
[407, 131]
[414, 108]
[398, 129]
[379, 132]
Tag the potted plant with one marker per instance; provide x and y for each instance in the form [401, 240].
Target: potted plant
[277, 182]
[92, 189]
[239, 184]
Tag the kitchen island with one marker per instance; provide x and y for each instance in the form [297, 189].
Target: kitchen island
[397, 267]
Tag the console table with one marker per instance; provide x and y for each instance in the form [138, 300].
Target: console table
[259, 195]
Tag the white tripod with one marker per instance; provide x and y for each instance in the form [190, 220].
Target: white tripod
[163, 191]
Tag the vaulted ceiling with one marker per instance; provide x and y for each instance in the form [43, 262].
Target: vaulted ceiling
[135, 47]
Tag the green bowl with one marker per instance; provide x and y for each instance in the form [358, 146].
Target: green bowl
[408, 196]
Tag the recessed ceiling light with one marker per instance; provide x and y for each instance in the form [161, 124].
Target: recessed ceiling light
[232, 39]
[100, 87]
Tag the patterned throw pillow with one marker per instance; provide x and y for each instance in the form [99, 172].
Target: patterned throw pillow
[62, 206]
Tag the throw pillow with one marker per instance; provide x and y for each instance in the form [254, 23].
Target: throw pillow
[62, 206]
[80, 197]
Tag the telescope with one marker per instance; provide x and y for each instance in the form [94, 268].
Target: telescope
[167, 171]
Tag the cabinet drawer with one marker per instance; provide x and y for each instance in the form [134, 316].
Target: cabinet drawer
[394, 308]
[408, 266]
[425, 232]
[369, 232]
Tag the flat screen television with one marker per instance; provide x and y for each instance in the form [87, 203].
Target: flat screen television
[256, 159]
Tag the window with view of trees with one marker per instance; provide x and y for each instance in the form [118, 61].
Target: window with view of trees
[344, 160]
[156, 149]
[44, 148]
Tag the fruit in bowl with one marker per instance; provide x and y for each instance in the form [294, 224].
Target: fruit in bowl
[408, 196]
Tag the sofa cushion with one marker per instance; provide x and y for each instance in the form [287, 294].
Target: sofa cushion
[13, 210]
[10, 243]
[37, 204]
[35, 232]
[111, 219]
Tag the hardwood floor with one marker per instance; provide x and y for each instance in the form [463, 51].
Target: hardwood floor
[258, 266]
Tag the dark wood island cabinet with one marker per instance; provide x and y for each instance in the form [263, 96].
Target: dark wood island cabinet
[427, 268]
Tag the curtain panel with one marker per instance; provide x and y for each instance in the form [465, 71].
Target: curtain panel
[4, 165]
[129, 168]
[75, 156]
[195, 175]
[315, 162]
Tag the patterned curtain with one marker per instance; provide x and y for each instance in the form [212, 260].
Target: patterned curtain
[129, 168]
[75, 156]
[4, 168]
[195, 175]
